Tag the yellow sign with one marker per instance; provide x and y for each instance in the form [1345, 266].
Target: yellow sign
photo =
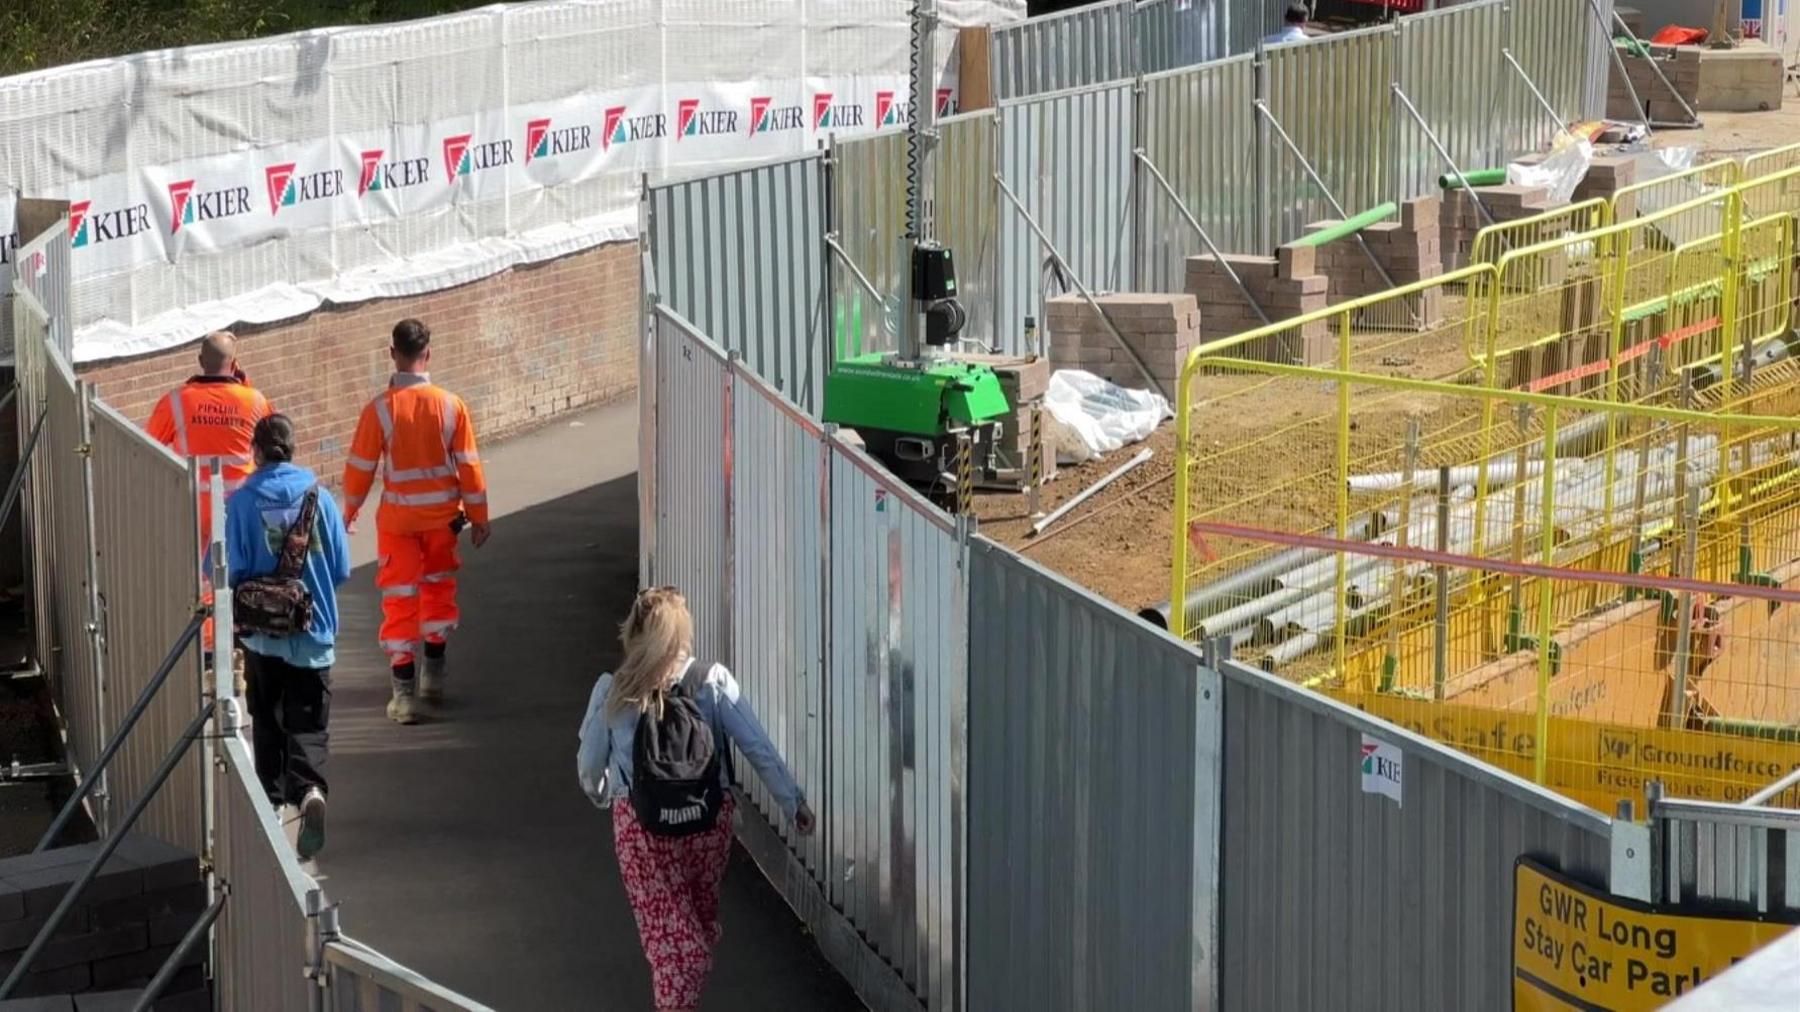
[1596, 764]
[1575, 947]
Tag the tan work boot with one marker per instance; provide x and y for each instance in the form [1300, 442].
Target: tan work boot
[403, 708]
[431, 678]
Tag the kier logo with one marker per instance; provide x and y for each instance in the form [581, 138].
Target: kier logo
[692, 121]
[613, 130]
[621, 128]
[371, 173]
[543, 141]
[188, 206]
[839, 116]
[281, 186]
[766, 117]
[456, 156]
[379, 175]
[78, 230]
[886, 113]
[946, 103]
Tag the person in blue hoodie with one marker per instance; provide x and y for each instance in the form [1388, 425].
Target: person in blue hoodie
[288, 679]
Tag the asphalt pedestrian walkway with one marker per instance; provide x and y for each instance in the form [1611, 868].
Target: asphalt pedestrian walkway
[463, 847]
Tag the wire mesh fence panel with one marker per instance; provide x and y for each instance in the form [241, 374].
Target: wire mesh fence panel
[1766, 163]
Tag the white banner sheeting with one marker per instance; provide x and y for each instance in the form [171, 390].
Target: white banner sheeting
[253, 181]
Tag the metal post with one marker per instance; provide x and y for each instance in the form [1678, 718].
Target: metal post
[1684, 622]
[91, 561]
[1440, 643]
[1130, 352]
[1443, 152]
[1390, 668]
[843, 255]
[107, 849]
[224, 681]
[1619, 65]
[1205, 239]
[18, 475]
[172, 965]
[1294, 149]
[1693, 117]
[921, 144]
[1543, 103]
[119, 734]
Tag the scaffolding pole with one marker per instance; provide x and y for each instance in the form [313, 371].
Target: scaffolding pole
[1205, 239]
[1693, 117]
[1443, 152]
[1619, 65]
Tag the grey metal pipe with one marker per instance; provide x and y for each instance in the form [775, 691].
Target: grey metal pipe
[1255, 580]
[1543, 103]
[18, 475]
[1205, 239]
[172, 965]
[1693, 117]
[831, 243]
[1294, 149]
[1619, 65]
[1443, 152]
[129, 721]
[1130, 352]
[107, 850]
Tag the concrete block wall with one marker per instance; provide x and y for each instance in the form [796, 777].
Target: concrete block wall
[1409, 249]
[1680, 64]
[1285, 286]
[521, 347]
[1162, 329]
[1746, 79]
[118, 935]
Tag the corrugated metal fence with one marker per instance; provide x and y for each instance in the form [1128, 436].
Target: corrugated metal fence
[739, 254]
[1107, 41]
[1029, 799]
[264, 931]
[1093, 801]
[1335, 898]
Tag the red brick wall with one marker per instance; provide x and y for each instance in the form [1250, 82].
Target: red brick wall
[520, 347]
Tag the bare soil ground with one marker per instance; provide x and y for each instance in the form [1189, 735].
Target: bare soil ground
[1119, 543]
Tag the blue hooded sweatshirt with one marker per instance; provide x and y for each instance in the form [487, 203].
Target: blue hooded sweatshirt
[257, 517]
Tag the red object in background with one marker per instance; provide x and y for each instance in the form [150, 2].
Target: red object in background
[1401, 6]
[1675, 35]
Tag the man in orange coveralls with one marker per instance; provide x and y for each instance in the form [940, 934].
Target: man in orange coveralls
[421, 437]
[213, 414]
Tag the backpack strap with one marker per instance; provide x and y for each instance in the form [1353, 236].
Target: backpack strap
[299, 537]
[691, 684]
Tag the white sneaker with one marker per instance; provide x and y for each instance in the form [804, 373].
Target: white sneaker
[431, 678]
[403, 708]
[312, 824]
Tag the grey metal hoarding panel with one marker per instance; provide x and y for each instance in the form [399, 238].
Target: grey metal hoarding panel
[1333, 96]
[1182, 33]
[1313, 867]
[1067, 156]
[1198, 125]
[70, 655]
[781, 501]
[968, 217]
[1449, 64]
[1070, 49]
[1093, 801]
[359, 979]
[692, 450]
[740, 255]
[868, 213]
[263, 933]
[896, 699]
[1556, 42]
[148, 590]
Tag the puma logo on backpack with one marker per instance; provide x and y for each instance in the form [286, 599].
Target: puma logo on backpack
[677, 760]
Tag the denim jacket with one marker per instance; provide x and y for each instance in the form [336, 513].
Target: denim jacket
[603, 760]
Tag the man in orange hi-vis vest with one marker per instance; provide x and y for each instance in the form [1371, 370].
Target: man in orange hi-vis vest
[422, 439]
[213, 414]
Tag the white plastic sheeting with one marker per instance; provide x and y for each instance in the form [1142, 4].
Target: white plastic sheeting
[252, 181]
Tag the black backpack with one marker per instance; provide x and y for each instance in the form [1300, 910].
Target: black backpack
[279, 604]
[677, 758]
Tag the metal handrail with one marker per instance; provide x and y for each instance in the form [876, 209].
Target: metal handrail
[1763, 796]
[172, 965]
[107, 849]
[1786, 819]
[92, 776]
[18, 475]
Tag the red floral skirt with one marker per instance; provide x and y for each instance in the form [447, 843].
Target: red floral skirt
[673, 884]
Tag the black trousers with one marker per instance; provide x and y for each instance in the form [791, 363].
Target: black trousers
[289, 708]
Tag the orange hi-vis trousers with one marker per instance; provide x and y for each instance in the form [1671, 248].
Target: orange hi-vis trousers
[417, 577]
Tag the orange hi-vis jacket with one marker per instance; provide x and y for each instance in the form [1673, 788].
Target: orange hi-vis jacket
[212, 416]
[423, 440]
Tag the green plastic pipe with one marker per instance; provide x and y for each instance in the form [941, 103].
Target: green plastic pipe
[1479, 177]
[1349, 227]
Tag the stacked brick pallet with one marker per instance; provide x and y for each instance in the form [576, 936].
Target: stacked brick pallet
[1162, 329]
[1409, 250]
[126, 924]
[1284, 285]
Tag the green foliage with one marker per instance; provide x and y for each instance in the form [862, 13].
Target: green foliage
[47, 33]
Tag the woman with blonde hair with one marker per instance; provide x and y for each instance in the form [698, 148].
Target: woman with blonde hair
[657, 737]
